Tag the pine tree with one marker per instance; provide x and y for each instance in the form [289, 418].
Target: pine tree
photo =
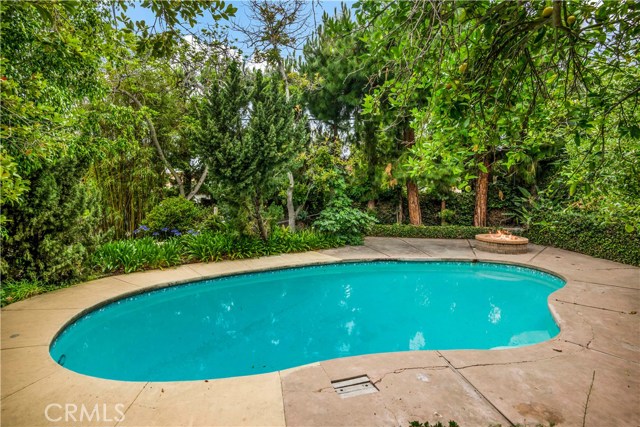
[249, 137]
[339, 81]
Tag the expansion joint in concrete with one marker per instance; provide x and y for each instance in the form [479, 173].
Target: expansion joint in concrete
[593, 306]
[416, 248]
[376, 250]
[539, 252]
[474, 388]
[607, 284]
[131, 404]
[28, 385]
[475, 255]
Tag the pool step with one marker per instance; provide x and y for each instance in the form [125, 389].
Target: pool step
[356, 386]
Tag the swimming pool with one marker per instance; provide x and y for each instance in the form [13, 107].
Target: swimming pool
[267, 321]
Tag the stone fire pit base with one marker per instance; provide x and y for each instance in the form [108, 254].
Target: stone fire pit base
[490, 243]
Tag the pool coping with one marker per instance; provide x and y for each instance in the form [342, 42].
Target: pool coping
[34, 387]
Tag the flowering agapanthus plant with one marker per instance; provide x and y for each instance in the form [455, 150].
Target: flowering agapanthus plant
[140, 229]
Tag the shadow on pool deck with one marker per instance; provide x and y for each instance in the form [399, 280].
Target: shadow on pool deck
[596, 358]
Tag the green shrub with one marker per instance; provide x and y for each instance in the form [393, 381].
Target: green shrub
[50, 234]
[249, 247]
[14, 291]
[119, 255]
[139, 254]
[348, 224]
[429, 232]
[174, 213]
[586, 233]
[273, 215]
[134, 255]
[213, 222]
[207, 246]
[284, 241]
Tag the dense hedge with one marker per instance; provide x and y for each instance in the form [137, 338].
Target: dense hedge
[583, 233]
[429, 232]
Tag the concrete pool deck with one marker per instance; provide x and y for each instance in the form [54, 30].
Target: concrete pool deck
[594, 363]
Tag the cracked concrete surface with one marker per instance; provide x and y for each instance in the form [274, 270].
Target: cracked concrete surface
[593, 363]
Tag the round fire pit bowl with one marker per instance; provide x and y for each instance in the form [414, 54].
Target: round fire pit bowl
[502, 243]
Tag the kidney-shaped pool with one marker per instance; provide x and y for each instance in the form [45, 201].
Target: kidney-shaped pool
[268, 321]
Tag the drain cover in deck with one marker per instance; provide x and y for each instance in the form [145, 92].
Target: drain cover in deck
[351, 387]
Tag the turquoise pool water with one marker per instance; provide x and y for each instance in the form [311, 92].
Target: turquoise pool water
[264, 322]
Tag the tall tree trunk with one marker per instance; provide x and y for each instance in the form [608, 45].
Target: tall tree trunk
[482, 195]
[257, 205]
[413, 195]
[291, 211]
[443, 207]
